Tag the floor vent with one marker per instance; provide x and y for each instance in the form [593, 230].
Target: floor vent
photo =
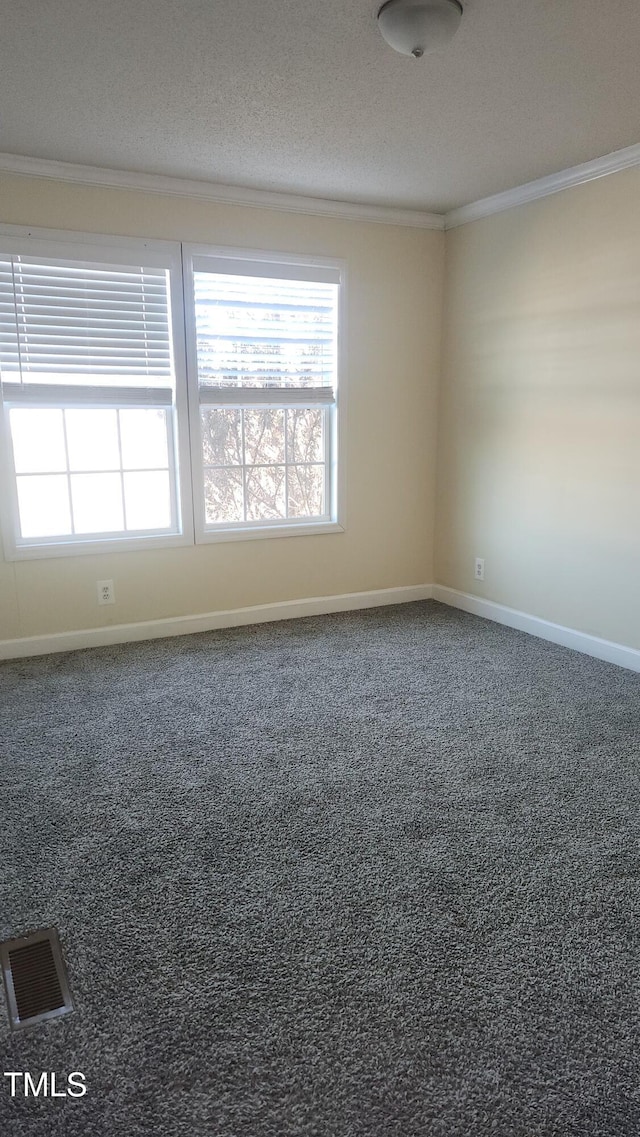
[35, 978]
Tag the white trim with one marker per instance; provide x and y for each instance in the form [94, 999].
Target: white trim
[209, 621]
[96, 544]
[102, 247]
[78, 395]
[535, 626]
[213, 191]
[575, 176]
[606, 650]
[266, 396]
[247, 262]
[239, 531]
[234, 260]
[612, 163]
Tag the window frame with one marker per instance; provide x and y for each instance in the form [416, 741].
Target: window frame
[335, 468]
[185, 433]
[51, 244]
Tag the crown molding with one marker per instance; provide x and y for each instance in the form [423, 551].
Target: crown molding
[543, 187]
[322, 207]
[212, 191]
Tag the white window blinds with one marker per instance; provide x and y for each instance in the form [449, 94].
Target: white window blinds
[264, 338]
[83, 324]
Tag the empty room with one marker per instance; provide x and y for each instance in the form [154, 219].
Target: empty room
[319, 568]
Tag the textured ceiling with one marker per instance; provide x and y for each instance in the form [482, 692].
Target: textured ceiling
[305, 96]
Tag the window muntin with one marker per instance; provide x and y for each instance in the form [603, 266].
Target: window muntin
[265, 465]
[88, 388]
[265, 356]
[86, 471]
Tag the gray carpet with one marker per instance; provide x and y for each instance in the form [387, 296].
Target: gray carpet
[366, 875]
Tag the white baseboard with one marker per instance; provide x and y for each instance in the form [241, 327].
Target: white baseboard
[567, 637]
[317, 606]
[209, 621]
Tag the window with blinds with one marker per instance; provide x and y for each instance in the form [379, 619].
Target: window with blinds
[265, 354]
[87, 372]
[155, 393]
[84, 324]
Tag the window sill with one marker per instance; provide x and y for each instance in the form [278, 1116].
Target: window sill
[96, 548]
[172, 540]
[251, 533]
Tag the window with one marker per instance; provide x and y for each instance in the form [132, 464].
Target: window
[97, 404]
[88, 372]
[264, 361]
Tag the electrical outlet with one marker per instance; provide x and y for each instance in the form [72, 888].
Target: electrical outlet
[106, 593]
[479, 569]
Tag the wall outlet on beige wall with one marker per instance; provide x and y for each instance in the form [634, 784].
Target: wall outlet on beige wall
[479, 568]
[106, 592]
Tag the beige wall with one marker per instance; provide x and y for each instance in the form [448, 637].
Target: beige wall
[394, 324]
[539, 428]
[539, 436]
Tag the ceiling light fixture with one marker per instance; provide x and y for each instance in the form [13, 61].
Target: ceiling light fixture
[415, 27]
